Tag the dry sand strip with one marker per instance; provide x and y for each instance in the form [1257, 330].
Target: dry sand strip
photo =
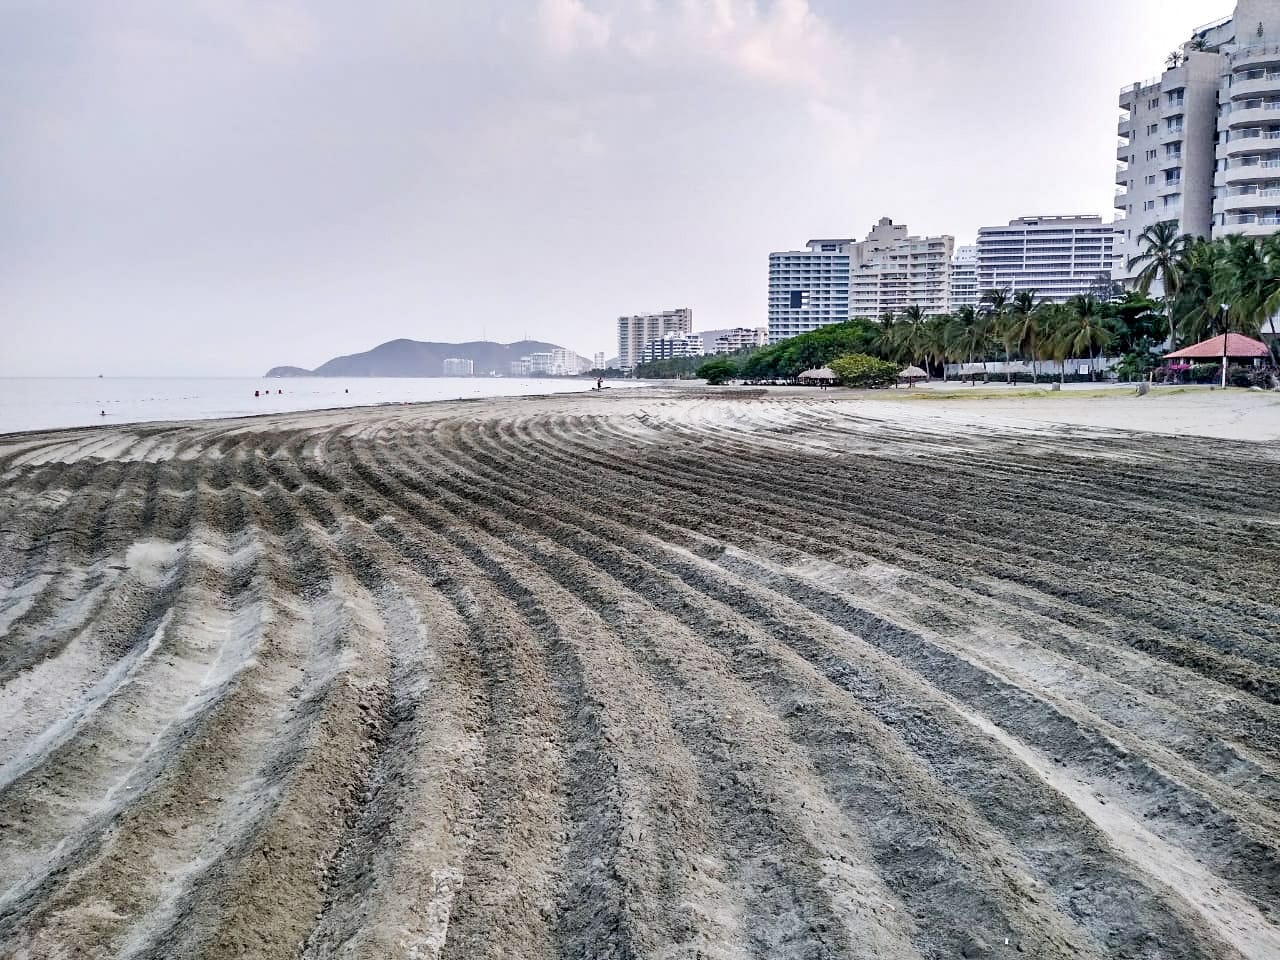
[672, 674]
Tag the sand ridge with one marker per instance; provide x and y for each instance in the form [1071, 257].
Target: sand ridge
[685, 674]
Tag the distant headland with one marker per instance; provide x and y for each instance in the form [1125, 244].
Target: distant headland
[419, 358]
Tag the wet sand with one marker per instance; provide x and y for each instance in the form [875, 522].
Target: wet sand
[708, 674]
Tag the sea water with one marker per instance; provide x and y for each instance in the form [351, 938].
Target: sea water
[42, 403]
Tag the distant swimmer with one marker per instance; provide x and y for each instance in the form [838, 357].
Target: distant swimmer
[279, 391]
[102, 413]
[345, 390]
[256, 393]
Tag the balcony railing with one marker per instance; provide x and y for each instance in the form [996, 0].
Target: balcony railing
[1246, 192]
[1245, 219]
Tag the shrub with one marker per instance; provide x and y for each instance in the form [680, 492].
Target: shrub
[860, 370]
[716, 372]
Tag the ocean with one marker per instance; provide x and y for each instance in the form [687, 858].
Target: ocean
[44, 403]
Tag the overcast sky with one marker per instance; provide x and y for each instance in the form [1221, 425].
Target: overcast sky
[220, 186]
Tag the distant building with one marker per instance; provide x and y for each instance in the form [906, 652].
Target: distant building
[635, 331]
[671, 345]
[808, 288]
[520, 368]
[891, 271]
[835, 279]
[1058, 257]
[964, 278]
[458, 367]
[731, 341]
[597, 361]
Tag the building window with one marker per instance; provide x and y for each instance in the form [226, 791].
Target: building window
[1152, 128]
[1151, 154]
[1151, 178]
[1148, 205]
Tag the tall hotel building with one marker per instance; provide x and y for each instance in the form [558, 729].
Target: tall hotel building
[635, 331]
[1058, 257]
[833, 280]
[1200, 144]
[808, 288]
[965, 291]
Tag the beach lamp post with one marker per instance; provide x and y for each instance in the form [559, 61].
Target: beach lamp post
[1225, 329]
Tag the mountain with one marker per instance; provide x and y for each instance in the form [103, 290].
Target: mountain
[418, 358]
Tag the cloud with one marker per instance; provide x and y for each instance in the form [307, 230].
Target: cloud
[280, 32]
[567, 26]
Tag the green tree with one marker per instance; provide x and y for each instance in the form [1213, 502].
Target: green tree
[716, 372]
[1084, 330]
[995, 307]
[862, 370]
[1022, 328]
[1163, 251]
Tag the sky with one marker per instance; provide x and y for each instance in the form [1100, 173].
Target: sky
[216, 187]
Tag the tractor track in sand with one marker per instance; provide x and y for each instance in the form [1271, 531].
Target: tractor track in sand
[660, 676]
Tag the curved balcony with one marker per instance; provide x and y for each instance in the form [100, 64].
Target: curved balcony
[1251, 225]
[1267, 199]
[1246, 89]
[1252, 173]
[1240, 146]
[1255, 55]
[1253, 117]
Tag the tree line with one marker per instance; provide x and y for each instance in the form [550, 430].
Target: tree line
[1207, 287]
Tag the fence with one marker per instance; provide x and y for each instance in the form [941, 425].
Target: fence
[1044, 368]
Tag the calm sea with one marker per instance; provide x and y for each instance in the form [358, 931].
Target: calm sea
[38, 403]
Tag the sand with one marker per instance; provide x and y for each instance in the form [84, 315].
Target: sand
[721, 674]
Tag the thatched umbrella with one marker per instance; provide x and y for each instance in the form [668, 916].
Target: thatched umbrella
[819, 376]
[912, 375]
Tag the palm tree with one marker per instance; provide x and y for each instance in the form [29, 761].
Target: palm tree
[913, 338]
[1162, 258]
[1084, 329]
[995, 306]
[1200, 291]
[1023, 328]
[885, 343]
[1055, 345]
[971, 336]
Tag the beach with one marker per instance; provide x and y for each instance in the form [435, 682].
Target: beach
[718, 673]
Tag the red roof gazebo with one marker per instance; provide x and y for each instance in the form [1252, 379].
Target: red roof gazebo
[1238, 347]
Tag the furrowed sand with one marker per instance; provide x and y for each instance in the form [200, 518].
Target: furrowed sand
[726, 673]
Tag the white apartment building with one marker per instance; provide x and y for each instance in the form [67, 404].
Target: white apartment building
[833, 280]
[635, 331]
[965, 291]
[671, 345]
[458, 367]
[737, 338]
[597, 361]
[808, 288]
[1058, 257]
[892, 270]
[1200, 144]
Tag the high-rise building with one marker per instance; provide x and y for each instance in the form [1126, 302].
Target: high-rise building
[1058, 257]
[597, 361]
[458, 367]
[635, 331]
[833, 280]
[808, 288]
[1200, 144]
[965, 291]
[735, 339]
[891, 270]
[671, 345]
